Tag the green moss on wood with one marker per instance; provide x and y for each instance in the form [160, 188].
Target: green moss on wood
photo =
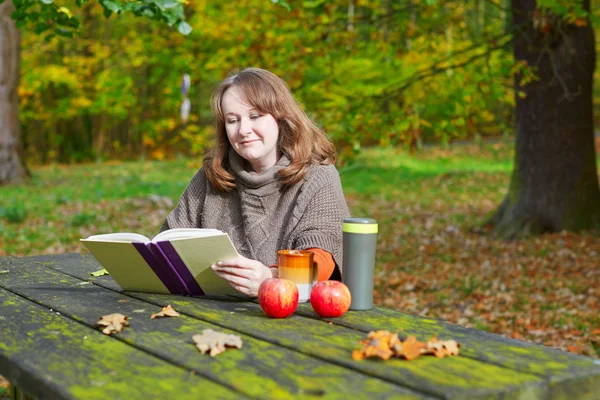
[491, 366]
[260, 369]
[61, 356]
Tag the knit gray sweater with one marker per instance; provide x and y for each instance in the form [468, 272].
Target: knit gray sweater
[262, 216]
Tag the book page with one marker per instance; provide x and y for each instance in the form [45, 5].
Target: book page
[119, 237]
[199, 254]
[180, 233]
[127, 267]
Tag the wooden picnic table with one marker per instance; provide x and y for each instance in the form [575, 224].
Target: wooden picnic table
[50, 349]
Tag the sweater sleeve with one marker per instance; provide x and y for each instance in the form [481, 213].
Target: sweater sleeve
[325, 263]
[324, 209]
[188, 212]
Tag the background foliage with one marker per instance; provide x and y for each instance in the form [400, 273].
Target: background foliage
[371, 72]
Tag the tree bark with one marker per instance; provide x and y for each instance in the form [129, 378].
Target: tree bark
[554, 184]
[11, 167]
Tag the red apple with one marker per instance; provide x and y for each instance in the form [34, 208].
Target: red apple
[330, 299]
[278, 297]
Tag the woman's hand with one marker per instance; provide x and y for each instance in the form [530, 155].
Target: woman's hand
[243, 274]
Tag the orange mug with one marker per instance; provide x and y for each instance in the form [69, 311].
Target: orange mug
[299, 267]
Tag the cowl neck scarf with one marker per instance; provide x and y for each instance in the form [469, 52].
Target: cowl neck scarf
[252, 182]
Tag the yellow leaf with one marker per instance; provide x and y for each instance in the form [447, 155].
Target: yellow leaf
[65, 11]
[167, 311]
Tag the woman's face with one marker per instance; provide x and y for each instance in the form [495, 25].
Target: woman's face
[253, 135]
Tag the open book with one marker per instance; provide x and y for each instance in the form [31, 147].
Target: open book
[174, 261]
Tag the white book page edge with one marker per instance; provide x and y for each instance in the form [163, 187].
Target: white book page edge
[118, 237]
[183, 233]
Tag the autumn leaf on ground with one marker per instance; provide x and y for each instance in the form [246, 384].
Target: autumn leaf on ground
[167, 311]
[112, 323]
[384, 344]
[214, 342]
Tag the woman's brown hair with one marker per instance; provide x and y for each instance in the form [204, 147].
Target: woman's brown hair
[299, 137]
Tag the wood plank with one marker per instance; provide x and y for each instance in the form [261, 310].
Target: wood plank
[260, 369]
[84, 362]
[568, 374]
[452, 377]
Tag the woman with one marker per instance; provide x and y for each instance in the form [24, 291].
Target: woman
[270, 182]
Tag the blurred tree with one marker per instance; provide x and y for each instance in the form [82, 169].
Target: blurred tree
[51, 19]
[11, 165]
[554, 185]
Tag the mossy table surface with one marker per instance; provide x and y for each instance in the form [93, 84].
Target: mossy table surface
[50, 348]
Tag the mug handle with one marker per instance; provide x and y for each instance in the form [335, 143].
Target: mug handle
[315, 277]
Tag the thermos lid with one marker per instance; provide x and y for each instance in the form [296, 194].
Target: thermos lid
[360, 225]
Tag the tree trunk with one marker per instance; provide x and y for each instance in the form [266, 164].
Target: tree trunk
[11, 167]
[554, 184]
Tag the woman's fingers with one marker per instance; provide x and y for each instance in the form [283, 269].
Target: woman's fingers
[241, 262]
[243, 274]
[237, 271]
[235, 281]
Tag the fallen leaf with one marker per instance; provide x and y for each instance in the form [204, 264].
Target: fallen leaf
[410, 349]
[377, 344]
[214, 342]
[441, 348]
[384, 344]
[167, 311]
[99, 273]
[112, 323]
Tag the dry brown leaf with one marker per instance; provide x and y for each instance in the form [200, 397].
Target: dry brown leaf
[377, 344]
[384, 344]
[214, 342]
[167, 311]
[112, 323]
[358, 355]
[411, 348]
[442, 348]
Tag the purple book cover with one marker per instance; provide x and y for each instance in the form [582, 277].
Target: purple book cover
[174, 280]
[167, 249]
[157, 266]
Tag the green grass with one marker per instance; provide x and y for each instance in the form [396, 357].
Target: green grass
[392, 173]
[375, 172]
[56, 185]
